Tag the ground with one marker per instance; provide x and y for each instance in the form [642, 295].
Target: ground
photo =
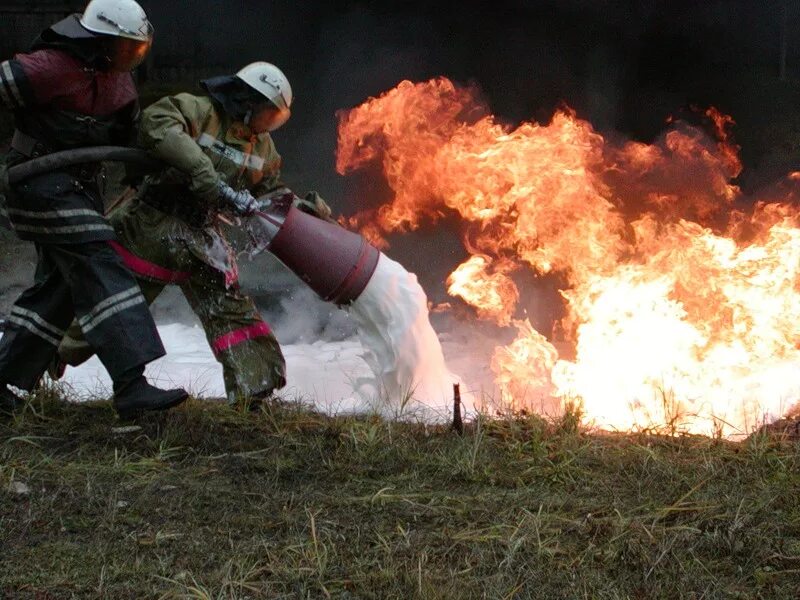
[208, 502]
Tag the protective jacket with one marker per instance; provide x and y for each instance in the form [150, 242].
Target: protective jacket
[61, 100]
[203, 145]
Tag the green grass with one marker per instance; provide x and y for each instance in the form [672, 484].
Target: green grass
[206, 502]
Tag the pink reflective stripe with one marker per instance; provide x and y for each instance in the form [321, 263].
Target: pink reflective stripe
[227, 341]
[145, 268]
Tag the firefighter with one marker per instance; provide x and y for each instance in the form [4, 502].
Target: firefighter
[75, 89]
[220, 156]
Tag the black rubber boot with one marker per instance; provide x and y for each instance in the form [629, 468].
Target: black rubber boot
[133, 396]
[56, 368]
[9, 401]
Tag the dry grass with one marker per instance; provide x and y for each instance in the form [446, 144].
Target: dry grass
[209, 503]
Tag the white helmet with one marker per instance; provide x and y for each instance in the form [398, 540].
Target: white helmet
[269, 81]
[119, 18]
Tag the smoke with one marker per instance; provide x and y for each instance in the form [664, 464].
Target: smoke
[293, 310]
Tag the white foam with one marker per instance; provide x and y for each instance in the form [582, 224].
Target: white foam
[401, 347]
[321, 374]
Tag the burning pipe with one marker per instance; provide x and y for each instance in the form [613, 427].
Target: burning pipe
[334, 262]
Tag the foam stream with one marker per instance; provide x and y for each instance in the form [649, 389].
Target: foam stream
[401, 348]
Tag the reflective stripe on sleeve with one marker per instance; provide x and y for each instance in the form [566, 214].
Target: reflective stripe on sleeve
[5, 95]
[11, 84]
[249, 161]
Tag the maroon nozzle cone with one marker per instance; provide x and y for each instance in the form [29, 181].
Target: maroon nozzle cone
[336, 263]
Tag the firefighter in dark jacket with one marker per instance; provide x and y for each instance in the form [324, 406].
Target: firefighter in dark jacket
[74, 89]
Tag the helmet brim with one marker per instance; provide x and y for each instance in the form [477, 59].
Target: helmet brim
[114, 29]
[72, 28]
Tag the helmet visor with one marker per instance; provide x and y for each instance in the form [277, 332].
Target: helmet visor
[127, 54]
[269, 117]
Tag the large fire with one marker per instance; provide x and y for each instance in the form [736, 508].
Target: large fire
[683, 307]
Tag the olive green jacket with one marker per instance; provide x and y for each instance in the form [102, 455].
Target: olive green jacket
[203, 146]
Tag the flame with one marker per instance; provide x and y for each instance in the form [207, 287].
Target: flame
[494, 294]
[683, 310]
[523, 369]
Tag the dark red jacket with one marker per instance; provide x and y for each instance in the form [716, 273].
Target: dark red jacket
[53, 78]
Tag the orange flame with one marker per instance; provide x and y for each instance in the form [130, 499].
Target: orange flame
[523, 369]
[682, 310]
[494, 294]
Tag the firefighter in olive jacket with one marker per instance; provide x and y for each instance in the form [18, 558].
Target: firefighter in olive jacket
[221, 157]
[74, 89]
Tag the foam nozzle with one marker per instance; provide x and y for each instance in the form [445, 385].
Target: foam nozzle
[334, 262]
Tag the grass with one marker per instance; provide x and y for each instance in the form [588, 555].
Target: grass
[207, 502]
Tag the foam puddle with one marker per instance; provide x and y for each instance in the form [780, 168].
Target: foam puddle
[402, 349]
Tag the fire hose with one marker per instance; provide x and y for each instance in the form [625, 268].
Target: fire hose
[334, 262]
[69, 158]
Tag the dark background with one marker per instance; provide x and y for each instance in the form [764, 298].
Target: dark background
[625, 66]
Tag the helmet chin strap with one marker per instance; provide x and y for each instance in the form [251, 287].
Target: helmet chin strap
[248, 116]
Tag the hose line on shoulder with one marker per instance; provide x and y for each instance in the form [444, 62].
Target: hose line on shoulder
[69, 158]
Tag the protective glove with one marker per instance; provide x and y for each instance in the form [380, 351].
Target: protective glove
[313, 204]
[241, 203]
[279, 197]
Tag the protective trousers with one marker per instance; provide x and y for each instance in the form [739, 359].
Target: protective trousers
[251, 358]
[90, 282]
[159, 250]
[78, 275]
